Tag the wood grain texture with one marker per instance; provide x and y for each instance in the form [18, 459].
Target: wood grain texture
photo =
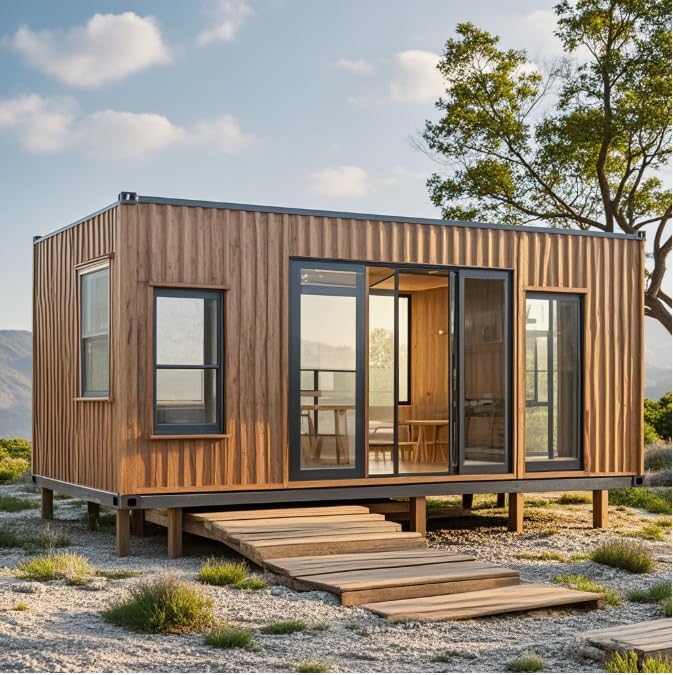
[108, 444]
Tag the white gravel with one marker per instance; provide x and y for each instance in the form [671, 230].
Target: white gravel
[63, 631]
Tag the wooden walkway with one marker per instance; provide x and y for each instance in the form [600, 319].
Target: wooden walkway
[648, 639]
[367, 560]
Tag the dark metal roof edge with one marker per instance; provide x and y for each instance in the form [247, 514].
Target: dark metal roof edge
[259, 208]
[37, 239]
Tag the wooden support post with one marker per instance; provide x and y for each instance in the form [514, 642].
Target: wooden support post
[467, 501]
[417, 515]
[92, 513]
[47, 503]
[500, 500]
[600, 499]
[138, 522]
[515, 512]
[122, 531]
[174, 526]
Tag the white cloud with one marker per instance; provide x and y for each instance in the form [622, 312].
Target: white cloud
[342, 181]
[227, 17]
[53, 125]
[417, 79]
[356, 67]
[108, 48]
[538, 26]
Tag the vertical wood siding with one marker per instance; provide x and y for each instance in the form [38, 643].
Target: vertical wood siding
[72, 440]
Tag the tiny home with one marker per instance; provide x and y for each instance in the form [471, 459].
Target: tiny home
[201, 354]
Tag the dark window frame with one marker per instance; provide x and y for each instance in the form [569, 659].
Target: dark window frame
[82, 272]
[577, 463]
[217, 427]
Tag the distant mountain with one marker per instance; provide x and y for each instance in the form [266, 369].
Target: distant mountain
[15, 383]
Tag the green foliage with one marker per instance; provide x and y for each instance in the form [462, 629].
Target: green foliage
[580, 143]
[20, 607]
[537, 502]
[12, 504]
[658, 457]
[218, 572]
[8, 538]
[47, 538]
[526, 663]
[12, 469]
[579, 582]
[17, 448]
[228, 637]
[313, 667]
[664, 522]
[650, 435]
[251, 584]
[113, 575]
[541, 555]
[650, 532]
[627, 662]
[658, 417]
[631, 556]
[655, 593]
[666, 607]
[283, 627]
[165, 605]
[652, 500]
[574, 498]
[55, 566]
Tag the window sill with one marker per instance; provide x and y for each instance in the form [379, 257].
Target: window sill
[186, 437]
[104, 399]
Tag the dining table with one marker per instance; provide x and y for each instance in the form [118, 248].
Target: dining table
[340, 411]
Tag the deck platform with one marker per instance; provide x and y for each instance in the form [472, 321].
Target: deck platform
[649, 639]
[368, 560]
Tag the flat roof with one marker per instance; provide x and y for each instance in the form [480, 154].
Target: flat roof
[132, 198]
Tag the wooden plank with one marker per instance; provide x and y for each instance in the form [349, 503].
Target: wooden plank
[279, 513]
[47, 506]
[643, 626]
[122, 531]
[359, 561]
[293, 520]
[174, 527]
[309, 534]
[515, 523]
[482, 603]
[138, 522]
[368, 595]
[600, 508]
[417, 515]
[92, 513]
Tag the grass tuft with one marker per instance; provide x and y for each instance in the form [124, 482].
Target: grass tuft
[526, 663]
[8, 538]
[165, 605]
[537, 502]
[66, 565]
[666, 607]
[319, 627]
[579, 582]
[650, 532]
[251, 584]
[631, 556]
[541, 555]
[229, 637]
[113, 575]
[652, 500]
[655, 593]
[574, 498]
[217, 572]
[664, 522]
[11, 504]
[312, 667]
[627, 662]
[20, 607]
[283, 627]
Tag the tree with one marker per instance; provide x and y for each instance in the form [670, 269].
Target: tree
[582, 145]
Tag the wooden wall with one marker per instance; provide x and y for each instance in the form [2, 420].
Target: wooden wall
[72, 439]
[247, 253]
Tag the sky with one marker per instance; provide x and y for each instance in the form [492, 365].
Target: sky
[282, 102]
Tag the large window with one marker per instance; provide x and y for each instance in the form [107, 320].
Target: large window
[553, 381]
[187, 361]
[95, 331]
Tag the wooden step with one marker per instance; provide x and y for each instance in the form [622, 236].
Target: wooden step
[649, 639]
[483, 603]
[256, 514]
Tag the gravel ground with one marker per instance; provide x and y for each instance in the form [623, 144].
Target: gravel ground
[62, 630]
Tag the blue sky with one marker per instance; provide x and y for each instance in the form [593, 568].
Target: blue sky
[297, 103]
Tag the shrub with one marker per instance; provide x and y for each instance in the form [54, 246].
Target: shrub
[8, 538]
[536, 502]
[55, 566]
[21, 607]
[165, 605]
[13, 504]
[627, 662]
[251, 584]
[626, 555]
[579, 582]
[574, 498]
[650, 434]
[218, 572]
[541, 555]
[117, 574]
[312, 667]
[658, 415]
[12, 469]
[650, 532]
[50, 537]
[655, 593]
[658, 458]
[225, 637]
[283, 627]
[654, 501]
[664, 522]
[526, 663]
[17, 448]
[666, 607]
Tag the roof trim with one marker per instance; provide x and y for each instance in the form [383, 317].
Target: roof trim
[284, 210]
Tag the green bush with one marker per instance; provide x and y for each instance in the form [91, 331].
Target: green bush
[12, 504]
[574, 498]
[623, 554]
[650, 434]
[526, 663]
[55, 566]
[658, 415]
[17, 448]
[652, 500]
[251, 584]
[579, 582]
[165, 605]
[666, 607]
[8, 538]
[655, 593]
[658, 457]
[650, 532]
[217, 572]
[283, 627]
[225, 637]
[12, 468]
[627, 662]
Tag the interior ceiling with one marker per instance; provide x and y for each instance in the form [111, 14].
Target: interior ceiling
[382, 278]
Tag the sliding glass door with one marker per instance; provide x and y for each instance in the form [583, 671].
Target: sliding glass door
[326, 379]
